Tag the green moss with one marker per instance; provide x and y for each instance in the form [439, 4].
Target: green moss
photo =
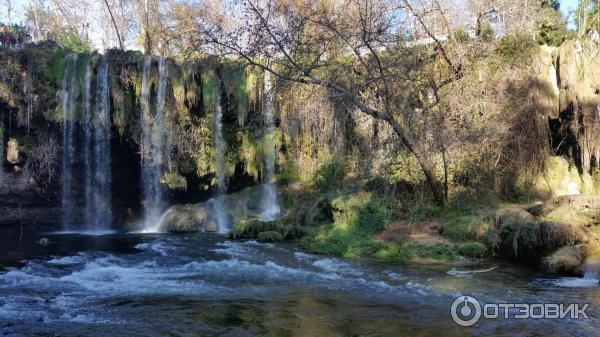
[357, 217]
[174, 181]
[209, 89]
[407, 251]
[270, 236]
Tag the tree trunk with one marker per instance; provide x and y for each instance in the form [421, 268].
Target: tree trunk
[423, 160]
[147, 37]
[114, 24]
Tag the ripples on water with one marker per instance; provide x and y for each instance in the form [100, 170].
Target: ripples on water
[151, 285]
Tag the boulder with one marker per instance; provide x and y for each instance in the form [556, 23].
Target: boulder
[514, 215]
[240, 206]
[569, 207]
[565, 260]
[188, 218]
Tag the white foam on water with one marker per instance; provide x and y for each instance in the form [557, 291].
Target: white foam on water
[304, 257]
[155, 246]
[468, 272]
[84, 232]
[588, 280]
[68, 260]
[337, 266]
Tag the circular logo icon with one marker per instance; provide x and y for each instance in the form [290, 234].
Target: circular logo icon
[465, 311]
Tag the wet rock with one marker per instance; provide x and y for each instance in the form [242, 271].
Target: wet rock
[188, 218]
[512, 214]
[12, 152]
[240, 206]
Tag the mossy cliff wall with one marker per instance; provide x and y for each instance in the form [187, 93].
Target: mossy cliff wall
[314, 130]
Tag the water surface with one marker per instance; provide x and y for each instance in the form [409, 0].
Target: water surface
[203, 284]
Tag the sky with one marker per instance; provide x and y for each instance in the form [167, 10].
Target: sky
[568, 6]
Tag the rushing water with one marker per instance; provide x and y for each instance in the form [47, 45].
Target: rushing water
[201, 284]
[101, 181]
[153, 144]
[270, 204]
[69, 92]
[218, 202]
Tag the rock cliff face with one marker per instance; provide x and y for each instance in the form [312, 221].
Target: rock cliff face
[311, 128]
[565, 90]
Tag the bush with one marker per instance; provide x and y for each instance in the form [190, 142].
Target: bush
[460, 228]
[461, 35]
[516, 49]
[248, 229]
[357, 217]
[423, 210]
[472, 249]
[331, 173]
[270, 236]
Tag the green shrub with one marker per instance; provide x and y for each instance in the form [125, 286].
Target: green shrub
[516, 49]
[460, 228]
[472, 249]
[248, 229]
[487, 33]
[423, 210]
[357, 217]
[72, 41]
[270, 236]
[461, 35]
[406, 251]
[331, 173]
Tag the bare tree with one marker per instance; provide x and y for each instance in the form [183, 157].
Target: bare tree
[41, 164]
[306, 41]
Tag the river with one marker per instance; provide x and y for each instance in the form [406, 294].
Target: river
[205, 285]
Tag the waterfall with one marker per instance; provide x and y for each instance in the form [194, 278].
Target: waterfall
[153, 142]
[69, 100]
[270, 206]
[101, 216]
[88, 126]
[218, 201]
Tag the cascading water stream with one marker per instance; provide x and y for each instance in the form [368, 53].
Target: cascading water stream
[101, 217]
[69, 100]
[153, 145]
[270, 206]
[88, 127]
[218, 201]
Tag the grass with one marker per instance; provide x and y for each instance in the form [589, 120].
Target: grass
[347, 223]
[460, 228]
